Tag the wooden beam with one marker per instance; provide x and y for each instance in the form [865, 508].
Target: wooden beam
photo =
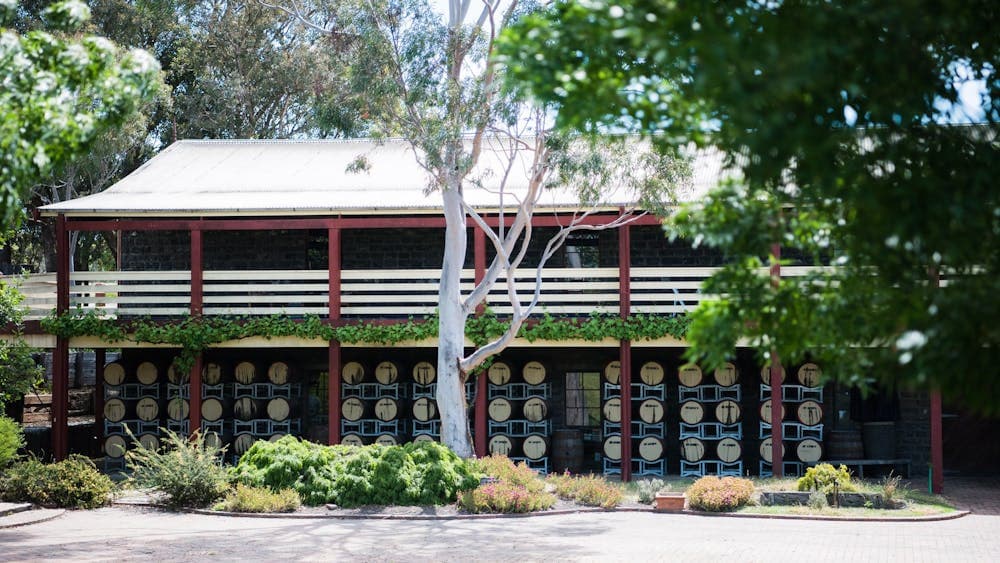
[60, 355]
[333, 394]
[334, 275]
[937, 444]
[100, 358]
[197, 274]
[194, 401]
[625, 347]
[479, 262]
[777, 447]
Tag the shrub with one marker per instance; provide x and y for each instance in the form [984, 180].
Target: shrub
[646, 490]
[72, 483]
[412, 474]
[719, 495]
[504, 497]
[825, 477]
[504, 469]
[254, 499]
[11, 440]
[893, 491]
[817, 500]
[589, 490]
[187, 470]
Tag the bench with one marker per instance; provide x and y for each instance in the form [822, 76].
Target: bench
[861, 463]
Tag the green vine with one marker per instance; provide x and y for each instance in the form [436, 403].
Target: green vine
[196, 334]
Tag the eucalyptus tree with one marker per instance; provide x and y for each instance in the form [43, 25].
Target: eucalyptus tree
[862, 135]
[433, 82]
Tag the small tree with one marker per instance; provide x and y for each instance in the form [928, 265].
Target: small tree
[18, 371]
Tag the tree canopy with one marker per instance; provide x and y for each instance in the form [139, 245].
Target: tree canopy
[858, 135]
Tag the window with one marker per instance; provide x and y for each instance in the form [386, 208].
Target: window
[583, 399]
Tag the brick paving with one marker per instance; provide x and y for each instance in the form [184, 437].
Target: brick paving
[981, 495]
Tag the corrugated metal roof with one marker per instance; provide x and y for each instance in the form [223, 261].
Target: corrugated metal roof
[251, 177]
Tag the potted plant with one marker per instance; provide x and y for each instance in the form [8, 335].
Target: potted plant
[669, 501]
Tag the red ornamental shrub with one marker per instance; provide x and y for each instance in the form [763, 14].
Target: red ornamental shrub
[719, 495]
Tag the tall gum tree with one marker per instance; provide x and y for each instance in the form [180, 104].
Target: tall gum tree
[433, 82]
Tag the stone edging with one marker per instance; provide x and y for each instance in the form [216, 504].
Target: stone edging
[58, 512]
[929, 518]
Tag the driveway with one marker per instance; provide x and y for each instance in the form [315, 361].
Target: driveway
[140, 534]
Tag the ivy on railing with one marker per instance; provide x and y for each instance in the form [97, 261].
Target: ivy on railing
[196, 334]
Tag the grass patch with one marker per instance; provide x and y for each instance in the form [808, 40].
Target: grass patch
[253, 499]
[909, 510]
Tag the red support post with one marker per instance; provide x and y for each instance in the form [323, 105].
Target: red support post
[334, 267]
[937, 444]
[194, 402]
[333, 394]
[197, 273]
[100, 358]
[625, 347]
[60, 356]
[479, 261]
[777, 447]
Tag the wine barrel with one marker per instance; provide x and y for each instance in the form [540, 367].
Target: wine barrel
[276, 437]
[765, 412]
[650, 411]
[567, 450]
[424, 373]
[535, 446]
[810, 375]
[765, 374]
[651, 373]
[533, 373]
[613, 372]
[845, 444]
[501, 445]
[424, 409]
[353, 409]
[727, 375]
[177, 376]
[650, 448]
[498, 373]
[245, 373]
[114, 446]
[499, 409]
[353, 373]
[352, 440]
[386, 372]
[247, 408]
[612, 409]
[147, 408]
[213, 440]
[277, 373]
[810, 413]
[114, 373]
[613, 447]
[809, 451]
[114, 410]
[279, 408]
[242, 443]
[692, 449]
[423, 438]
[728, 412]
[147, 373]
[386, 409]
[692, 412]
[149, 441]
[211, 373]
[212, 410]
[728, 450]
[689, 375]
[765, 450]
[178, 409]
[387, 440]
[535, 409]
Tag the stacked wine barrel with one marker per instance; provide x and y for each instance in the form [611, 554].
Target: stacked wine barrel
[132, 404]
[801, 417]
[648, 411]
[426, 423]
[372, 404]
[611, 417]
[711, 421]
[518, 412]
[265, 403]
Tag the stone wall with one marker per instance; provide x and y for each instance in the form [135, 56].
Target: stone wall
[651, 248]
[913, 430]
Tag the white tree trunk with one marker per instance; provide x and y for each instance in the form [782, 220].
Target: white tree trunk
[451, 400]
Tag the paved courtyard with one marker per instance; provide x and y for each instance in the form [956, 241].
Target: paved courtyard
[139, 534]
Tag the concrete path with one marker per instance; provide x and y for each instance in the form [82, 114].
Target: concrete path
[138, 534]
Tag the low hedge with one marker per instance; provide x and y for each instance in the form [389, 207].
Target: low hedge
[72, 483]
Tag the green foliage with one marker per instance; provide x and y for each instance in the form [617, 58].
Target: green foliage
[894, 491]
[590, 490]
[851, 143]
[719, 495]
[46, 76]
[11, 440]
[502, 468]
[72, 483]
[504, 497]
[412, 474]
[825, 477]
[242, 498]
[646, 489]
[186, 469]
[817, 501]
[18, 371]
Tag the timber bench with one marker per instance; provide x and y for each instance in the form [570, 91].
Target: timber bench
[861, 463]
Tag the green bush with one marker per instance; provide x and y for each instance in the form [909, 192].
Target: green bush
[72, 483]
[11, 440]
[412, 474]
[719, 495]
[589, 490]
[253, 499]
[504, 497]
[187, 470]
[646, 489]
[824, 477]
[504, 469]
